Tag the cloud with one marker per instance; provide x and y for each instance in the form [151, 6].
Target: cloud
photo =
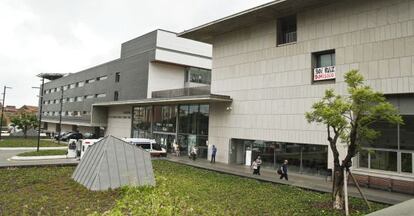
[68, 36]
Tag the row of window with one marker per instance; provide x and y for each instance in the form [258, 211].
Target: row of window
[75, 99]
[66, 113]
[81, 83]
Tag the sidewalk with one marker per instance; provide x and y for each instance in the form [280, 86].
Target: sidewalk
[303, 181]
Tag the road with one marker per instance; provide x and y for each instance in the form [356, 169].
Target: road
[6, 154]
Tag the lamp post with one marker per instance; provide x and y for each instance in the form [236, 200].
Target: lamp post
[2, 108]
[48, 76]
[60, 113]
[40, 112]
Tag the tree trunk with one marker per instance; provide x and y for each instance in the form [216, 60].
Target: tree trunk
[338, 189]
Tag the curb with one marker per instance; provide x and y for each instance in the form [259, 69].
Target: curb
[51, 157]
[31, 148]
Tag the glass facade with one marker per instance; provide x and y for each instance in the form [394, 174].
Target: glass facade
[141, 122]
[160, 123]
[393, 150]
[303, 158]
[198, 75]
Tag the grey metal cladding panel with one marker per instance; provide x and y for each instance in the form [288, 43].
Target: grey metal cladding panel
[131, 164]
[134, 78]
[139, 45]
[122, 163]
[114, 174]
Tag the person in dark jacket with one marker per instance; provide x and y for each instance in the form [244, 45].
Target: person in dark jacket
[284, 170]
[213, 154]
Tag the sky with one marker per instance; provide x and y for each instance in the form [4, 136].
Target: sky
[66, 36]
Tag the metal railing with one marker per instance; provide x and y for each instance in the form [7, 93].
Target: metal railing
[171, 93]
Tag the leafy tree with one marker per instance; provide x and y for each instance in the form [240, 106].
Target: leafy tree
[24, 121]
[349, 119]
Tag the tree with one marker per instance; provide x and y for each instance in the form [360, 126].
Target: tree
[24, 121]
[349, 119]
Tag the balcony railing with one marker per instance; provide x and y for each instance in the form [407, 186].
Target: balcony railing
[171, 93]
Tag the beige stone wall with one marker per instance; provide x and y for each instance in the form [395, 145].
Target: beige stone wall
[271, 85]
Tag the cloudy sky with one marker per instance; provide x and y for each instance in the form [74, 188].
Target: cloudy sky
[62, 36]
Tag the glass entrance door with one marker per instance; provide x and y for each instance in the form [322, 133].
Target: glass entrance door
[165, 140]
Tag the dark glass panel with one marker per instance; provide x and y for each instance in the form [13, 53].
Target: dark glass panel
[384, 160]
[388, 138]
[407, 162]
[407, 133]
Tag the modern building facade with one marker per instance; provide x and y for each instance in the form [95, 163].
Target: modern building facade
[269, 65]
[277, 59]
[149, 65]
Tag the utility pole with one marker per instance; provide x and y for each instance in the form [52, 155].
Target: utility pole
[60, 113]
[2, 109]
[40, 113]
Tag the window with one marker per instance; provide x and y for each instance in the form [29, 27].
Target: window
[89, 96]
[198, 75]
[80, 84]
[90, 81]
[78, 99]
[117, 76]
[56, 101]
[101, 78]
[65, 88]
[116, 95]
[286, 28]
[392, 150]
[323, 65]
[100, 95]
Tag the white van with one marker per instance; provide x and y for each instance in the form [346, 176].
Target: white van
[149, 145]
[85, 144]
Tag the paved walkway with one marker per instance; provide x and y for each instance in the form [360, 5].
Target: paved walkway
[6, 155]
[303, 181]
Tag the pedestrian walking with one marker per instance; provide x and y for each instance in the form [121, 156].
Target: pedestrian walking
[284, 170]
[259, 163]
[213, 154]
[193, 153]
[254, 167]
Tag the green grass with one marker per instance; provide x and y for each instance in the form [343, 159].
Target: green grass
[183, 190]
[29, 142]
[49, 191]
[44, 153]
[180, 190]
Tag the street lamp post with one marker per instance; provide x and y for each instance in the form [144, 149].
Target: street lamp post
[2, 108]
[60, 113]
[40, 113]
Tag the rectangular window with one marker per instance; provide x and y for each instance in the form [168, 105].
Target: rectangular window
[384, 160]
[407, 162]
[100, 95]
[324, 66]
[286, 30]
[116, 95]
[65, 88]
[117, 76]
[198, 75]
[78, 99]
[81, 84]
[89, 96]
[101, 78]
[90, 81]
[73, 85]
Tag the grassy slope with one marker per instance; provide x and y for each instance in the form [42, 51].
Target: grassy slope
[180, 190]
[29, 142]
[49, 191]
[183, 190]
[44, 153]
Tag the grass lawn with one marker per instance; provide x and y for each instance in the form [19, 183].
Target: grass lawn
[29, 142]
[180, 190]
[49, 191]
[44, 153]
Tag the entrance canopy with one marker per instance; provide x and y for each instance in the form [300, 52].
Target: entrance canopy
[100, 110]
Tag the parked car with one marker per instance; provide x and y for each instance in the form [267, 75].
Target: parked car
[73, 135]
[90, 136]
[57, 136]
[149, 145]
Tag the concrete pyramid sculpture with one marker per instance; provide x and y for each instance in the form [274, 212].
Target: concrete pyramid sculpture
[112, 163]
